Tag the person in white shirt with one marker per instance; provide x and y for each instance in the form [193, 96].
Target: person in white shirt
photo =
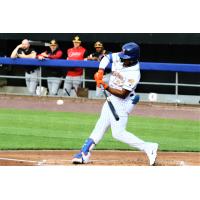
[122, 84]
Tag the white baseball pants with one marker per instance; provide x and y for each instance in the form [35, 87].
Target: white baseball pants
[53, 85]
[32, 81]
[118, 129]
[72, 82]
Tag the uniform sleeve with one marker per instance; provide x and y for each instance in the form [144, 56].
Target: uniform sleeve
[104, 62]
[32, 51]
[19, 51]
[57, 55]
[131, 82]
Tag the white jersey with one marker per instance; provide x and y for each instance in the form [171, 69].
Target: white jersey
[121, 78]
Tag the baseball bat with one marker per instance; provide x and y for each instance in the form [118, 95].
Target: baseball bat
[39, 43]
[112, 108]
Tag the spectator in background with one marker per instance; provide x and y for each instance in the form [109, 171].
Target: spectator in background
[54, 74]
[74, 75]
[99, 53]
[32, 72]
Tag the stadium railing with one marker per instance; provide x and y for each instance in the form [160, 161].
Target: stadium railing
[94, 64]
[149, 66]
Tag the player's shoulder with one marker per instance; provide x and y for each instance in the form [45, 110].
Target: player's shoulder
[58, 50]
[31, 49]
[132, 71]
[113, 57]
[71, 49]
[28, 51]
[83, 48]
[135, 67]
[19, 50]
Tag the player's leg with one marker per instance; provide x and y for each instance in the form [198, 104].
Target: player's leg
[55, 85]
[49, 83]
[67, 86]
[33, 81]
[27, 78]
[102, 124]
[97, 134]
[84, 155]
[30, 78]
[77, 80]
[120, 133]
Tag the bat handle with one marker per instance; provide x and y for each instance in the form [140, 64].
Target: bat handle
[104, 91]
[102, 87]
[110, 104]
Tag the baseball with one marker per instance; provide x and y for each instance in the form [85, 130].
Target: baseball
[60, 102]
[153, 97]
[178, 101]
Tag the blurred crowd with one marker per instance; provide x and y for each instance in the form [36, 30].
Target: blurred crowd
[54, 75]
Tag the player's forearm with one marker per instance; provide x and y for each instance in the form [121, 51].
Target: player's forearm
[14, 53]
[32, 55]
[119, 93]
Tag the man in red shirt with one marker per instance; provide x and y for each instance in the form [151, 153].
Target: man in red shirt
[54, 74]
[74, 75]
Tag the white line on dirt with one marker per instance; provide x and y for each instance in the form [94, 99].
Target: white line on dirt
[107, 161]
[18, 160]
[181, 163]
[22, 160]
[57, 162]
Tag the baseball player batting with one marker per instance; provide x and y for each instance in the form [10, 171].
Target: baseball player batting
[122, 84]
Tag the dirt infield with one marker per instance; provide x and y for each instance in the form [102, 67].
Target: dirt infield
[99, 158]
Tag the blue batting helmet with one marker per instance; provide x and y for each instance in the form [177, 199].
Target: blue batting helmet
[130, 51]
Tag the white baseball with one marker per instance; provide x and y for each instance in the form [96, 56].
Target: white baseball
[153, 97]
[60, 102]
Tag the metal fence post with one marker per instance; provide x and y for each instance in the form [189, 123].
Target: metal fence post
[176, 87]
[84, 78]
[40, 82]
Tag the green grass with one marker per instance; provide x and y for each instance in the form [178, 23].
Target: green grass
[25, 129]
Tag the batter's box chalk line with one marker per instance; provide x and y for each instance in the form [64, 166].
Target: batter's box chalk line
[25, 161]
[171, 162]
[54, 162]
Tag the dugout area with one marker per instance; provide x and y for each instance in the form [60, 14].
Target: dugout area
[167, 48]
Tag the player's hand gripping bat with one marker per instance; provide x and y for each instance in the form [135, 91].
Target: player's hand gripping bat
[116, 116]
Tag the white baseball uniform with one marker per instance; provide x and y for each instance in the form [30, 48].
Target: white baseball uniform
[121, 78]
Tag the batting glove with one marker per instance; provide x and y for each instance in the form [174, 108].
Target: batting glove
[101, 82]
[99, 75]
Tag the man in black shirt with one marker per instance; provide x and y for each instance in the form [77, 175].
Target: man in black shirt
[99, 53]
[32, 72]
